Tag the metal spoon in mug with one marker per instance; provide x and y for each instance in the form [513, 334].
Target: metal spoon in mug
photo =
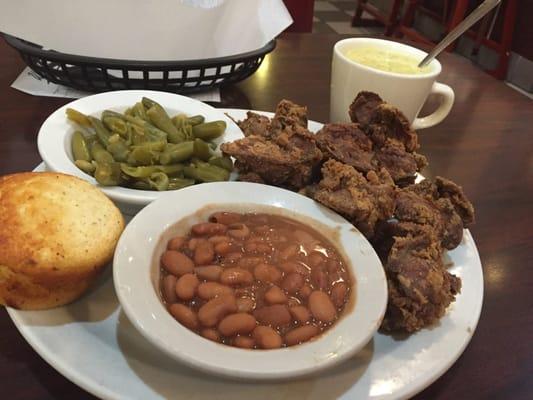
[474, 16]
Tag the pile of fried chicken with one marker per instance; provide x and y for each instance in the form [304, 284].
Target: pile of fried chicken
[365, 171]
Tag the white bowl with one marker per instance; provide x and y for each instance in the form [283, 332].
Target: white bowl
[54, 140]
[136, 279]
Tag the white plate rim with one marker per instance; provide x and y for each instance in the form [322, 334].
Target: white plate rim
[91, 385]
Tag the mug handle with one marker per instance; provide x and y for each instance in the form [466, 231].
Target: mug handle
[447, 97]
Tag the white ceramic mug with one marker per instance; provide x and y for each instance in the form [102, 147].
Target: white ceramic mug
[407, 92]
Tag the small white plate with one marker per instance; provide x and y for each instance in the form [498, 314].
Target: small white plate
[92, 343]
[136, 277]
[55, 136]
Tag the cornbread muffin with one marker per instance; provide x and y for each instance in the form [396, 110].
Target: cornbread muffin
[57, 233]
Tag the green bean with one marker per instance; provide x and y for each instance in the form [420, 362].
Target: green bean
[181, 119]
[115, 124]
[108, 174]
[135, 120]
[195, 120]
[222, 162]
[78, 117]
[202, 150]
[146, 171]
[90, 139]
[172, 170]
[142, 156]
[183, 134]
[152, 146]
[147, 103]
[129, 135]
[145, 130]
[184, 128]
[101, 155]
[138, 172]
[139, 111]
[138, 135]
[177, 153]
[141, 185]
[114, 114]
[206, 173]
[209, 130]
[178, 183]
[85, 166]
[101, 131]
[154, 134]
[118, 148]
[143, 147]
[114, 138]
[80, 148]
[161, 120]
[158, 181]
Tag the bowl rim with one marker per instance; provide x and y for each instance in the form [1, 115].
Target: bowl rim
[56, 129]
[152, 320]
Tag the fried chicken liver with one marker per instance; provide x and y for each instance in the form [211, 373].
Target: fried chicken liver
[280, 152]
[420, 288]
[442, 206]
[363, 200]
[428, 218]
[380, 137]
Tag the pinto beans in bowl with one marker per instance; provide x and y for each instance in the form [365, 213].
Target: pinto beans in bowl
[226, 278]
[288, 276]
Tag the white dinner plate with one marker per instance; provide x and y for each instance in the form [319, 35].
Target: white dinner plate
[92, 343]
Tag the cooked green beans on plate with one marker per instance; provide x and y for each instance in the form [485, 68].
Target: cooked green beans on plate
[145, 148]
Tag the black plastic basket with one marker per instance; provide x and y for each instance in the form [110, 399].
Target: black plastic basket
[104, 74]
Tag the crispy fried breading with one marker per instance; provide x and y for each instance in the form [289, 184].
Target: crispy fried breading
[429, 217]
[401, 164]
[364, 201]
[420, 287]
[441, 205]
[255, 124]
[250, 177]
[362, 107]
[380, 137]
[450, 190]
[382, 121]
[349, 144]
[286, 159]
[288, 114]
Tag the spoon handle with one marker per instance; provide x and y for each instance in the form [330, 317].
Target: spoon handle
[474, 16]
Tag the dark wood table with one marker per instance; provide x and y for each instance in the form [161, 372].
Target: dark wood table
[485, 144]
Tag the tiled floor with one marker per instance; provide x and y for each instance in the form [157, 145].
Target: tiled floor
[336, 17]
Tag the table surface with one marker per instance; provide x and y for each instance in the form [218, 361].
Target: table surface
[485, 144]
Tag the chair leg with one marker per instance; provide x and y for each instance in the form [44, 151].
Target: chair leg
[507, 37]
[356, 20]
[407, 20]
[390, 27]
[482, 32]
[458, 15]
[409, 16]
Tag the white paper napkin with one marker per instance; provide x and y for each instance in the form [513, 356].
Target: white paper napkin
[146, 30]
